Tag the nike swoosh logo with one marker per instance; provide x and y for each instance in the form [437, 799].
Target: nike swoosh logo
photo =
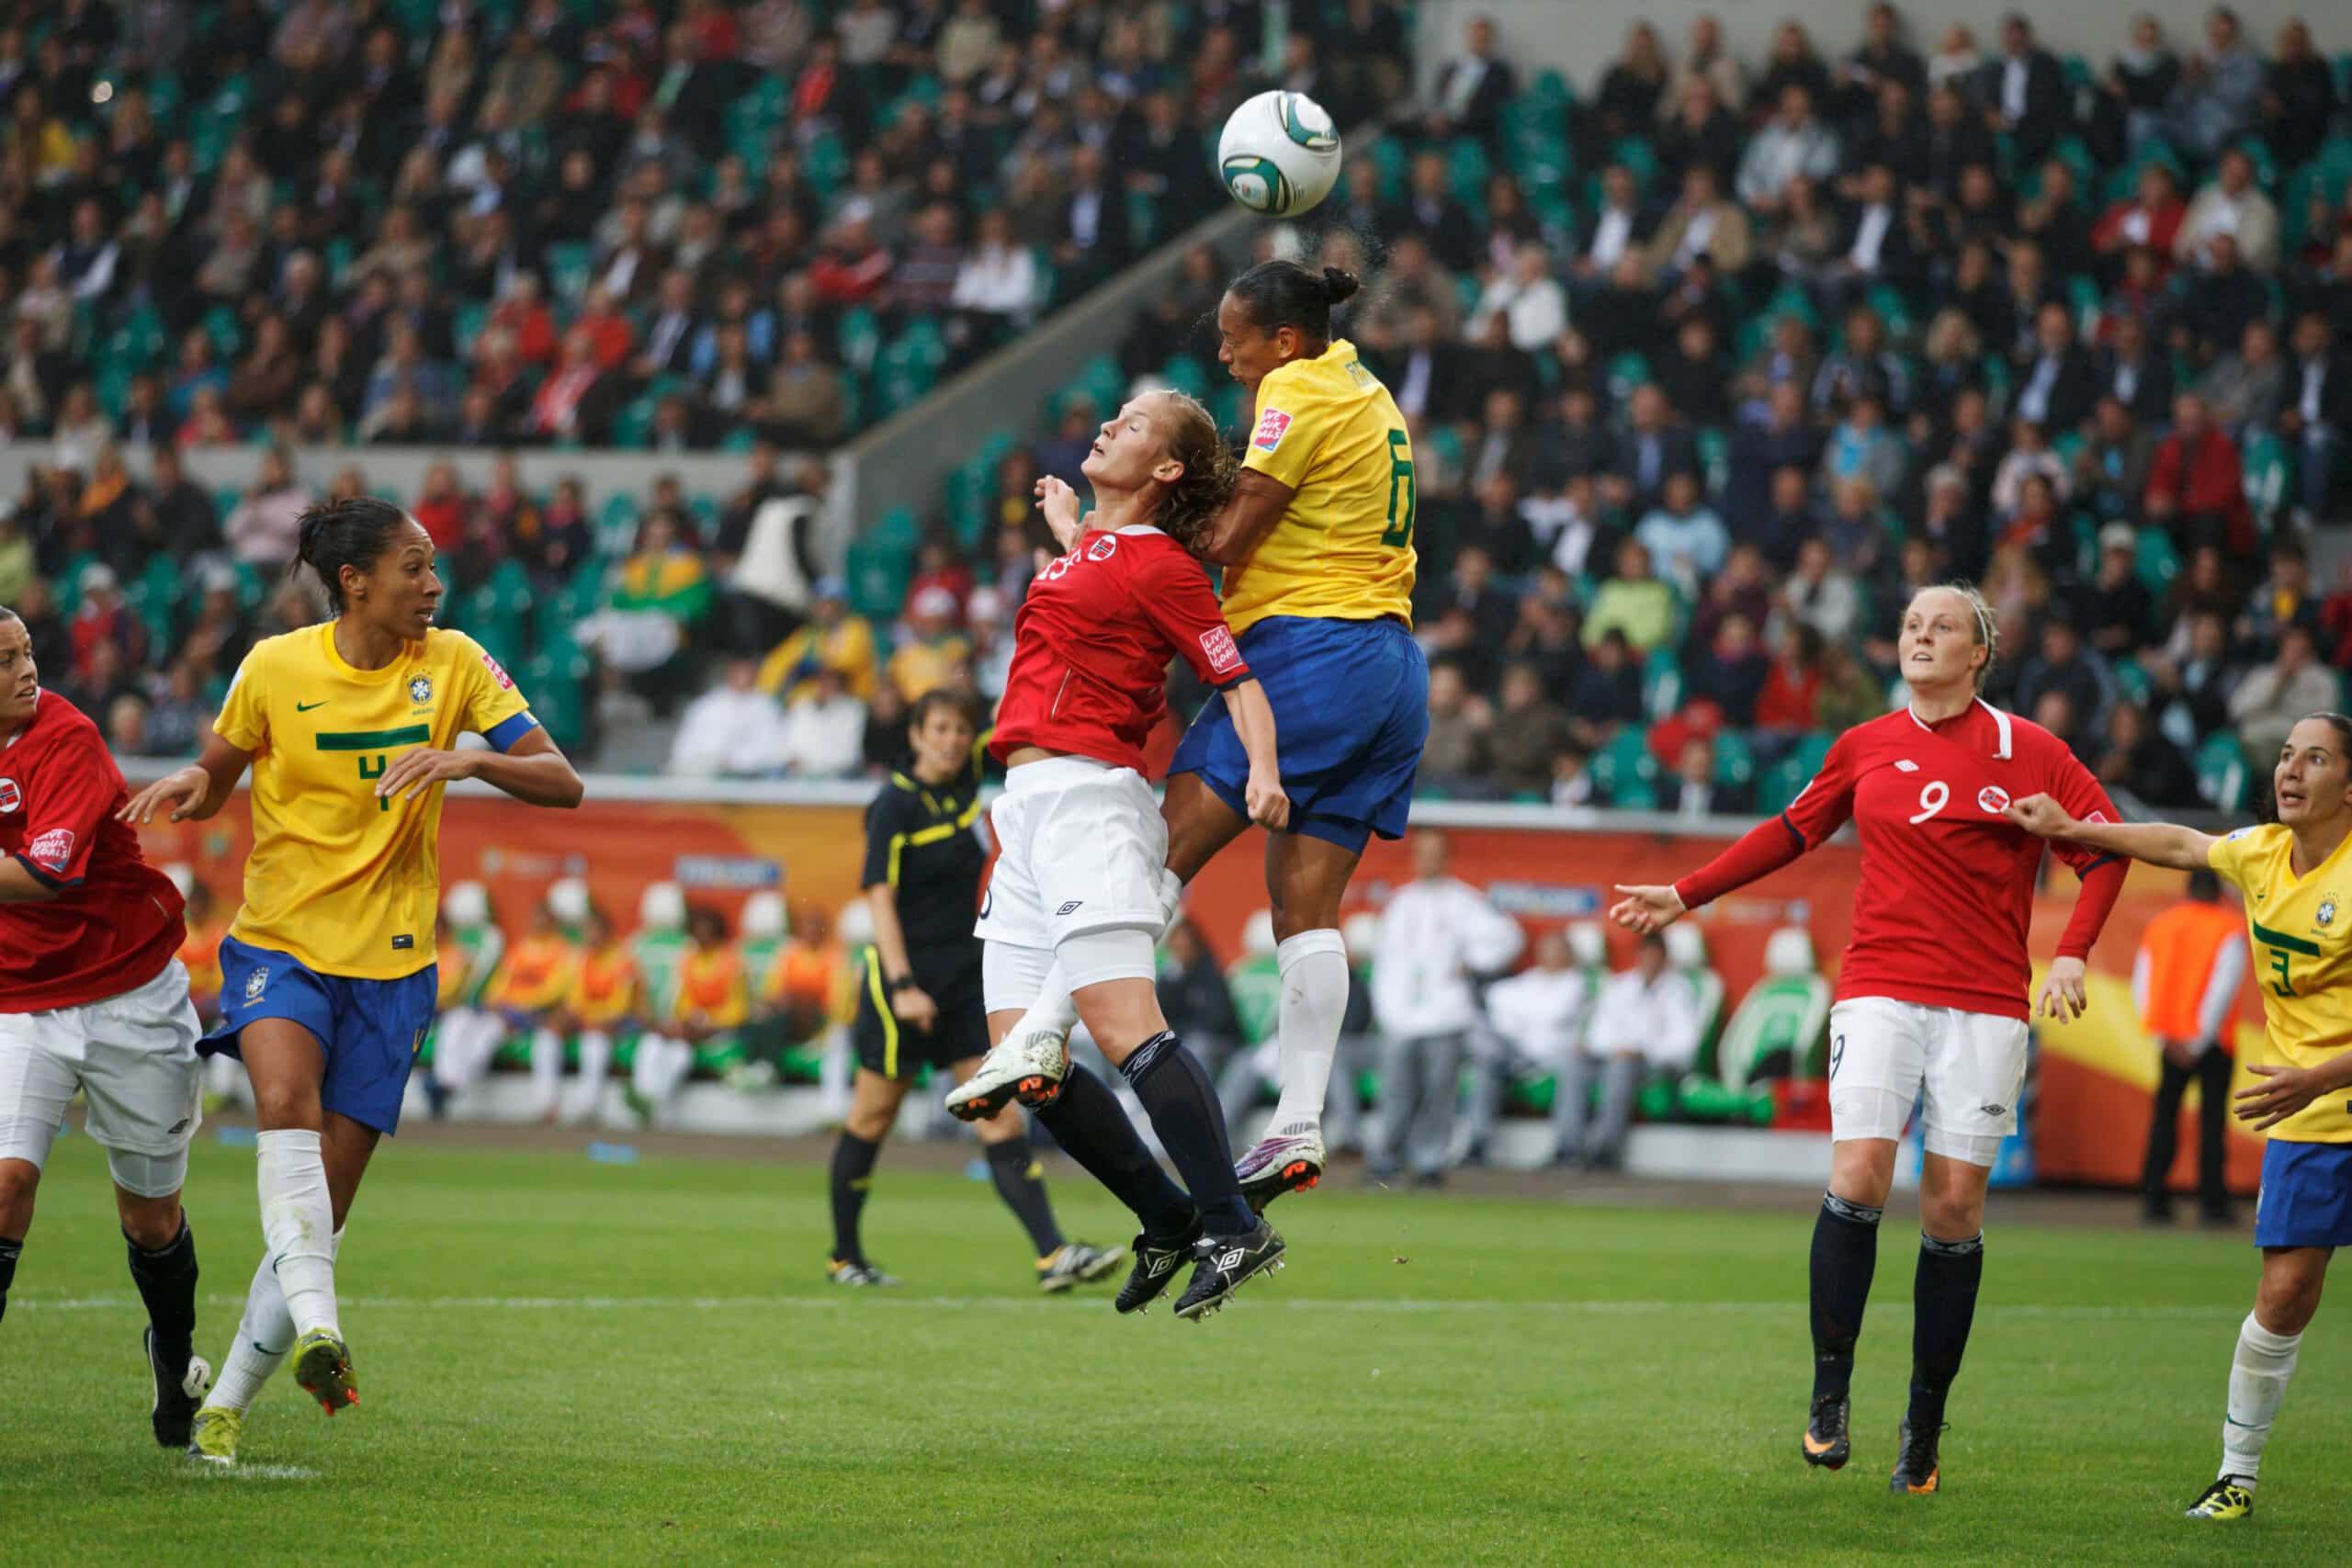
[305, 707]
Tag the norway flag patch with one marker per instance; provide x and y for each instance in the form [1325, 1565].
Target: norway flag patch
[1217, 643]
[1272, 425]
[51, 851]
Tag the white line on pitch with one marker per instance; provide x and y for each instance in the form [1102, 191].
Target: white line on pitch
[867, 1300]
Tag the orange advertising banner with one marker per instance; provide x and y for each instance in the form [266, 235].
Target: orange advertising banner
[2097, 1075]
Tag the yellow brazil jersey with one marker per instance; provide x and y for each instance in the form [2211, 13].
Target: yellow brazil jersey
[346, 883]
[1327, 428]
[710, 988]
[2301, 929]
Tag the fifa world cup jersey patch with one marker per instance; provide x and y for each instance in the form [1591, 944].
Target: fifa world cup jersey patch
[1217, 643]
[53, 850]
[1272, 426]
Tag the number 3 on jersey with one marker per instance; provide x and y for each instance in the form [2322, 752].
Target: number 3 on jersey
[1403, 493]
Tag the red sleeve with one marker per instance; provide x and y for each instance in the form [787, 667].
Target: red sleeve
[65, 800]
[1175, 594]
[2163, 475]
[2103, 883]
[1822, 807]
[2071, 785]
[1761, 850]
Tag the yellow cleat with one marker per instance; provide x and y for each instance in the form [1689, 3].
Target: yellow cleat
[216, 1434]
[323, 1367]
[2226, 1499]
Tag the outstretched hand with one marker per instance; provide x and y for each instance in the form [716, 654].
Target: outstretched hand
[1647, 909]
[1058, 502]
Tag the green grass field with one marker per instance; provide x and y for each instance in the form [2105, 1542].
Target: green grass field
[568, 1361]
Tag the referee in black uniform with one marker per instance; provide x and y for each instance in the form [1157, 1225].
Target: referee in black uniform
[921, 1002]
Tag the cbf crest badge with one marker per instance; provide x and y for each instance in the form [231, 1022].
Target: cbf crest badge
[255, 983]
[420, 689]
[2326, 912]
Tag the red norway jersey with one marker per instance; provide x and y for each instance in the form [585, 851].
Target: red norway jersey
[1091, 645]
[116, 920]
[1947, 883]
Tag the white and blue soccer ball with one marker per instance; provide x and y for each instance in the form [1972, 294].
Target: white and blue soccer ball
[1279, 154]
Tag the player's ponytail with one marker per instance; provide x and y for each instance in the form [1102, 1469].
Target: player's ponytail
[338, 533]
[1278, 294]
[1189, 435]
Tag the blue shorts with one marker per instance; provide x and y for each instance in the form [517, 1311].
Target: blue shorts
[2306, 1198]
[371, 1030]
[1352, 709]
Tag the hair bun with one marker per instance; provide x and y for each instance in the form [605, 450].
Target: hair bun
[1338, 283]
[306, 547]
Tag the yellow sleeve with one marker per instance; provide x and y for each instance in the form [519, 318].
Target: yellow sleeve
[490, 698]
[736, 1010]
[2229, 855]
[1294, 419]
[243, 718]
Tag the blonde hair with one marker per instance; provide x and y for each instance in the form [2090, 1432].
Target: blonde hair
[1189, 435]
[1989, 625]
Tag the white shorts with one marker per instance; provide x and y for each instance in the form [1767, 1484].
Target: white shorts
[131, 1057]
[1882, 1053]
[1081, 848]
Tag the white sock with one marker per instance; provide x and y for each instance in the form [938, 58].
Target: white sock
[1314, 1004]
[546, 1067]
[265, 1336]
[297, 1224]
[596, 1061]
[2258, 1377]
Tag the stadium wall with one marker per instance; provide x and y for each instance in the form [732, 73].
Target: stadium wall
[1580, 41]
[1544, 866]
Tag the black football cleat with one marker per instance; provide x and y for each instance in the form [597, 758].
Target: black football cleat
[1916, 1472]
[1225, 1264]
[1826, 1443]
[1154, 1268]
[178, 1391]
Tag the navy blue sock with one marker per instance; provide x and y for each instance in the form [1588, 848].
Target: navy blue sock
[1090, 1125]
[1021, 1185]
[850, 1177]
[1176, 1092]
[9, 1251]
[1943, 1306]
[166, 1281]
[1845, 1253]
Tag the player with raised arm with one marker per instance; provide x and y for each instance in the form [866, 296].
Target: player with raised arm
[1317, 546]
[2296, 877]
[1932, 994]
[351, 730]
[94, 999]
[1082, 848]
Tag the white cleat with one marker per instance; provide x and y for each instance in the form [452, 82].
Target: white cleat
[1279, 1164]
[1027, 1065]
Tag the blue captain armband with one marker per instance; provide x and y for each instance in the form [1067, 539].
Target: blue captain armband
[506, 731]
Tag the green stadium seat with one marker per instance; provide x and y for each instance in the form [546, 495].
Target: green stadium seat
[896, 529]
[617, 524]
[877, 579]
[2221, 772]
[860, 339]
[1775, 1033]
[569, 268]
[2158, 563]
[1735, 764]
[1784, 778]
[1625, 768]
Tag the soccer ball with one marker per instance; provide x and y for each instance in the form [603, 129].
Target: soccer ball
[1279, 154]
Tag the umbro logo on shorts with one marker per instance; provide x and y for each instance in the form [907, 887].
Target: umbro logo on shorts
[1069, 909]
[1994, 1109]
[178, 1128]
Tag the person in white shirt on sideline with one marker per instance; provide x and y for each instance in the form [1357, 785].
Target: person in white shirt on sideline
[1646, 1019]
[824, 734]
[1436, 933]
[1537, 1020]
[733, 730]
